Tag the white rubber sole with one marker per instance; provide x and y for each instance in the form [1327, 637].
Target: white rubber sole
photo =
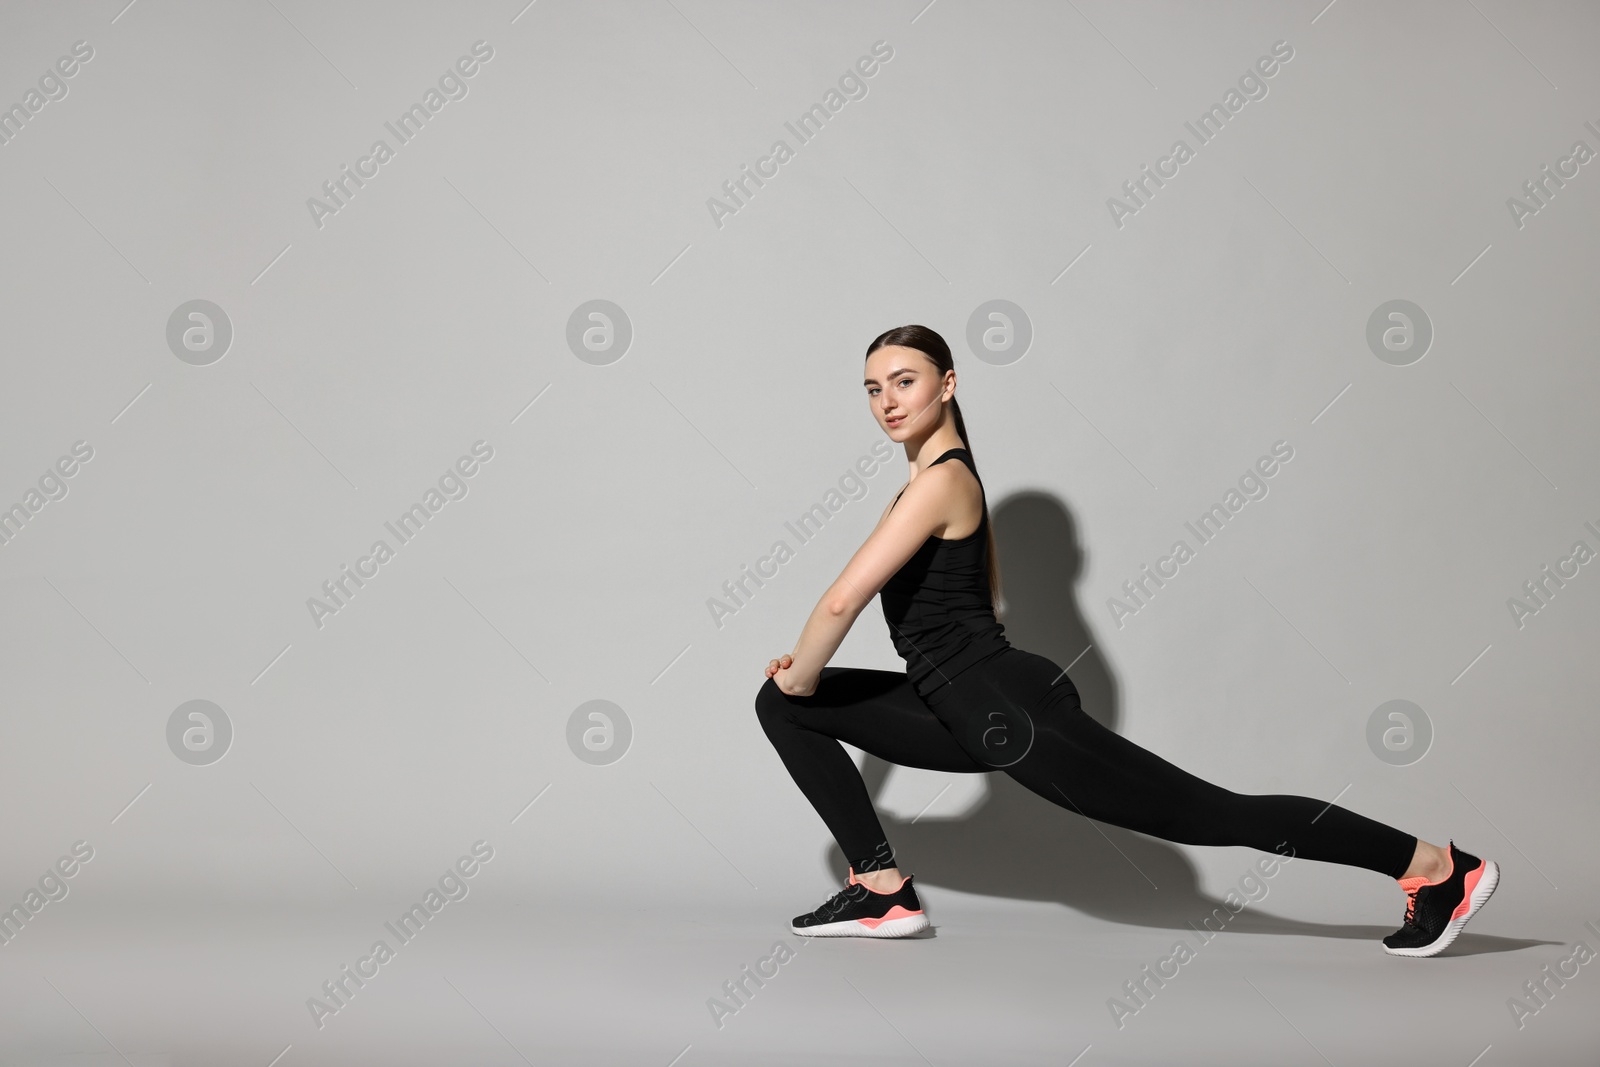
[901, 927]
[1480, 894]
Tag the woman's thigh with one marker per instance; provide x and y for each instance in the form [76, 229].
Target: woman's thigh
[995, 709]
[1020, 714]
[878, 712]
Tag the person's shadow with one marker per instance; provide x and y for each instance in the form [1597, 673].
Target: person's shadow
[1015, 844]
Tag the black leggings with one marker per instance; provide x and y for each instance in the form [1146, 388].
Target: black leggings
[1017, 712]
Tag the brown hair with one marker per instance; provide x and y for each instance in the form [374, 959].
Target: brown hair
[931, 345]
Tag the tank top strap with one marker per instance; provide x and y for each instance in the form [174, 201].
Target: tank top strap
[966, 457]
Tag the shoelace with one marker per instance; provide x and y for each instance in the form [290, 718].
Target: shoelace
[834, 903]
[1411, 906]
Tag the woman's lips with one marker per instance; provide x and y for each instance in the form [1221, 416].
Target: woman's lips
[895, 420]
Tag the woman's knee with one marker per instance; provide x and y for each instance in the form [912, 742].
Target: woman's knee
[1210, 816]
[770, 700]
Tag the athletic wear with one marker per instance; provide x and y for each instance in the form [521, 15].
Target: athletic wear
[937, 605]
[856, 911]
[970, 702]
[1019, 713]
[1436, 911]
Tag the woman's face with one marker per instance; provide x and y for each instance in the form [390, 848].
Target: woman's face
[904, 389]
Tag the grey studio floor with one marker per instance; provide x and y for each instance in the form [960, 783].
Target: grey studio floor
[626, 981]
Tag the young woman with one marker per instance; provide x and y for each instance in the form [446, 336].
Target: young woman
[969, 701]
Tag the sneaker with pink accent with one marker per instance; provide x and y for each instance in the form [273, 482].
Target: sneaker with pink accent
[1436, 911]
[856, 911]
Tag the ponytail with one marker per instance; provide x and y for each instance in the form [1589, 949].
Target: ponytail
[994, 560]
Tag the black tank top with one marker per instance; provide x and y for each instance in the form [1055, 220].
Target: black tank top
[940, 614]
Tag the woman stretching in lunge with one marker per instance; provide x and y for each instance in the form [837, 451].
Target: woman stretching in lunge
[969, 701]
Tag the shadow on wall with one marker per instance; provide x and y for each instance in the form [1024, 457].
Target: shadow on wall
[1014, 843]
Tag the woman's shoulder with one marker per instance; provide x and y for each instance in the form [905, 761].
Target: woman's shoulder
[948, 477]
[957, 468]
[963, 495]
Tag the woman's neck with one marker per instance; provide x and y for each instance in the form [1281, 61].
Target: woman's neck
[930, 450]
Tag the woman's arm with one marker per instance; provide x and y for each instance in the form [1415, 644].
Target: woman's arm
[922, 510]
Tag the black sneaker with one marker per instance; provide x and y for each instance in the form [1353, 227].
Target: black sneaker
[1436, 911]
[856, 911]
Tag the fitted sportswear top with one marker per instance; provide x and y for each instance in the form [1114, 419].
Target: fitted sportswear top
[937, 605]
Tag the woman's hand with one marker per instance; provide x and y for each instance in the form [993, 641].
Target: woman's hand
[778, 671]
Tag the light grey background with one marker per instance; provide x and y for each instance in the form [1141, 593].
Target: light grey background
[432, 311]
